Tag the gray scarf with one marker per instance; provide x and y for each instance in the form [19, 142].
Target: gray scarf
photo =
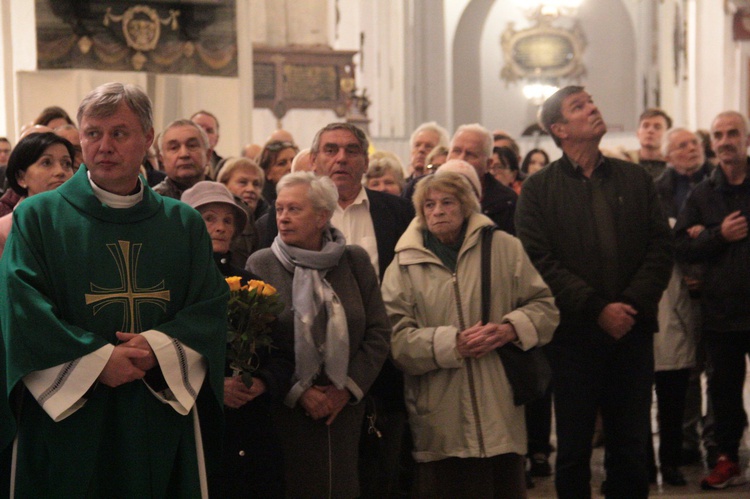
[310, 292]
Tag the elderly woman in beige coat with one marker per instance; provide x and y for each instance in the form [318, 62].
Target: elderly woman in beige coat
[469, 437]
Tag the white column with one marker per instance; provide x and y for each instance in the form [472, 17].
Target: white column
[714, 60]
[245, 73]
[7, 107]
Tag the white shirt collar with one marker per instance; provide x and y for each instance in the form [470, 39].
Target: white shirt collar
[115, 200]
[362, 199]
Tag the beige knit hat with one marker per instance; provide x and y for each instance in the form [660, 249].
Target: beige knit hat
[207, 192]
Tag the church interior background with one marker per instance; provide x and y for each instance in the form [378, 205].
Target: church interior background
[388, 64]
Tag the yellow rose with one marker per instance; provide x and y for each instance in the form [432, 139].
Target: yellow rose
[234, 283]
[255, 285]
[262, 288]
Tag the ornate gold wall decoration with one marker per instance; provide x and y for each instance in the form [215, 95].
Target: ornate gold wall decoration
[141, 25]
[124, 35]
[542, 52]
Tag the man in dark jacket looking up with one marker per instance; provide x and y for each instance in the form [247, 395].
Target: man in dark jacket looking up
[712, 230]
[594, 229]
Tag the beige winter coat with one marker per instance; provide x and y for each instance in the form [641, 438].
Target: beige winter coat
[462, 407]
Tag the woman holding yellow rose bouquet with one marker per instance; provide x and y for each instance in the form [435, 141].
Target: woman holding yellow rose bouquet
[252, 461]
[335, 325]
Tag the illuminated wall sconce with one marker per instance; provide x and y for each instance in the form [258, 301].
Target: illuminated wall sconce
[553, 8]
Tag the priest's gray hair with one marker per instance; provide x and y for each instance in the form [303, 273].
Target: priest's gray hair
[322, 191]
[103, 101]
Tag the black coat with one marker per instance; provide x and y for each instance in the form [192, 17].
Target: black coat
[253, 462]
[499, 203]
[665, 187]
[725, 294]
[556, 225]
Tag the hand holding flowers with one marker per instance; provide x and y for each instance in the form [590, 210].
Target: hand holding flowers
[250, 311]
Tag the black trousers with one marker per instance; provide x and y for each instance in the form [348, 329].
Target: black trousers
[726, 352]
[539, 424]
[592, 371]
[497, 477]
[671, 388]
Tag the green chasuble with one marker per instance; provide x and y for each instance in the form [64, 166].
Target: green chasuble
[74, 272]
[7, 430]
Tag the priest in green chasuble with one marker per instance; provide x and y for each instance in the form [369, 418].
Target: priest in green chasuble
[113, 321]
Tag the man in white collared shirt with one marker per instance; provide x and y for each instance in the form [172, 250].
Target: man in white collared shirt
[339, 151]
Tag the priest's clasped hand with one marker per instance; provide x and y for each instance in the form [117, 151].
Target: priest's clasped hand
[129, 360]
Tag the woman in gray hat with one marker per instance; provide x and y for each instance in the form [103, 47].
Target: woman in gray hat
[252, 461]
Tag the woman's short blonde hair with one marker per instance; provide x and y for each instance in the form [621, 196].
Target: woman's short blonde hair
[233, 164]
[382, 162]
[449, 183]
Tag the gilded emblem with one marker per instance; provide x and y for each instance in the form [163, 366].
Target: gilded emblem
[141, 26]
[128, 293]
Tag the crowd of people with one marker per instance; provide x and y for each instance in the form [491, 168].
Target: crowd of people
[384, 377]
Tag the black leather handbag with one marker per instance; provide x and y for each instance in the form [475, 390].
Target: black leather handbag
[528, 371]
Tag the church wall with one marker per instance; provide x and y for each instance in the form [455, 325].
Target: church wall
[7, 103]
[609, 58]
[503, 105]
[411, 71]
[173, 96]
[711, 30]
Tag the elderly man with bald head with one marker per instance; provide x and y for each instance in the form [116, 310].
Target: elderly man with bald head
[679, 314]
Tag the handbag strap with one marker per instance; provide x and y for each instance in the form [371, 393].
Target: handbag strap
[487, 232]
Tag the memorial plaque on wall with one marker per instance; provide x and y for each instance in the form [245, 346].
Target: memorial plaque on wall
[311, 83]
[158, 36]
[302, 78]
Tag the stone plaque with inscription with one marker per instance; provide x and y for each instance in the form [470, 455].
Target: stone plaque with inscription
[303, 78]
[311, 83]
